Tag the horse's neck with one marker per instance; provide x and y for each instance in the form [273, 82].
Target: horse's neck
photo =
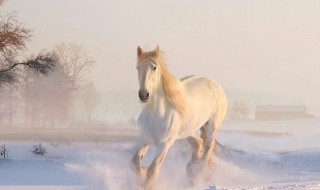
[159, 101]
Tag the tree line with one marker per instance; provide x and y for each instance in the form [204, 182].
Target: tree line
[42, 89]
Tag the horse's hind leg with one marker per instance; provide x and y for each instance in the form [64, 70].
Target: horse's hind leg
[203, 135]
[196, 145]
[210, 128]
[208, 145]
[197, 149]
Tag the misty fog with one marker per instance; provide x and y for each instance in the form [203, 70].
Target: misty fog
[263, 53]
[68, 81]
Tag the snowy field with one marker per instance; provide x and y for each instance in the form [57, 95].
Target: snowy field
[251, 155]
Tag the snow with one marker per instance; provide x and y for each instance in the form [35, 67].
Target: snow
[250, 155]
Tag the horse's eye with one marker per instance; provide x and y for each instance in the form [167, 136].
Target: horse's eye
[154, 68]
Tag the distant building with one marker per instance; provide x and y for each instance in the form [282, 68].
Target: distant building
[281, 112]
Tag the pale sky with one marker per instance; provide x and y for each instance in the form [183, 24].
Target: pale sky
[250, 45]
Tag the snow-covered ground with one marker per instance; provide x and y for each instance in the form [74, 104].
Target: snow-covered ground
[252, 155]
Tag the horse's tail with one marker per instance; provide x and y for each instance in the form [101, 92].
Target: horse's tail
[226, 152]
[218, 148]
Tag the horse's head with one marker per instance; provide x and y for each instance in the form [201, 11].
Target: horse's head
[148, 73]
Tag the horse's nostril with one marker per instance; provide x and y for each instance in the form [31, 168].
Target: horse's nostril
[143, 95]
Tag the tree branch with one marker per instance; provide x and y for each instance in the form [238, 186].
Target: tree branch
[42, 64]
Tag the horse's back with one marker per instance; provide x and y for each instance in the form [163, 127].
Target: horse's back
[204, 98]
[206, 89]
[195, 83]
[188, 77]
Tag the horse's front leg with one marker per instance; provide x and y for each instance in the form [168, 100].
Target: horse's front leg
[140, 172]
[154, 168]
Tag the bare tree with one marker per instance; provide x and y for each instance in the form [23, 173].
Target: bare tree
[41, 64]
[13, 35]
[25, 71]
[238, 111]
[47, 98]
[13, 39]
[52, 97]
[90, 100]
[76, 64]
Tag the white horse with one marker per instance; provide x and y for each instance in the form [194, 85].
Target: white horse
[175, 109]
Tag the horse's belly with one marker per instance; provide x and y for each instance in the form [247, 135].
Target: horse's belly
[190, 126]
[195, 118]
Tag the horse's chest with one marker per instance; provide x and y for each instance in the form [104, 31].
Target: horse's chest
[154, 127]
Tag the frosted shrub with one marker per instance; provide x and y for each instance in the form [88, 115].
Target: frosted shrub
[3, 151]
[39, 149]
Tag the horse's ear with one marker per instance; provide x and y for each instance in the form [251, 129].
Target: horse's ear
[139, 51]
[157, 49]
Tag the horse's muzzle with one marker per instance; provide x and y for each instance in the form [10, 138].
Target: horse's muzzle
[144, 95]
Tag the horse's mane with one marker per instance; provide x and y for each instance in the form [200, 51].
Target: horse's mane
[171, 85]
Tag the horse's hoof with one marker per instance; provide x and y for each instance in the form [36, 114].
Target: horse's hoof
[142, 175]
[194, 168]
